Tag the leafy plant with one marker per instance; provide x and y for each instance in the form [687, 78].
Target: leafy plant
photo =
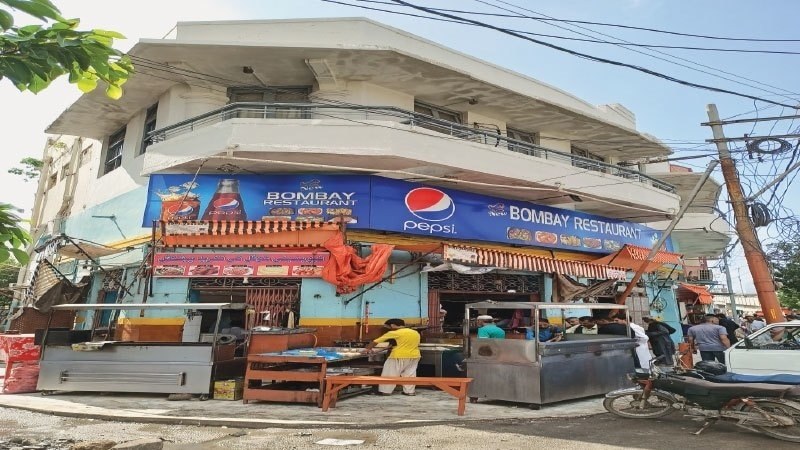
[785, 257]
[32, 56]
[13, 239]
[30, 170]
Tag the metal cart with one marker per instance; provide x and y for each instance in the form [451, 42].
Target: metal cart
[123, 366]
[536, 373]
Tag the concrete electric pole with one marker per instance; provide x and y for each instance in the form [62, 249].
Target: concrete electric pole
[756, 259]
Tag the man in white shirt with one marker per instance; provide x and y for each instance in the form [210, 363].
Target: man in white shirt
[642, 350]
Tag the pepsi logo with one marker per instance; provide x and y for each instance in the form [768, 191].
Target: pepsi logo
[225, 204]
[187, 210]
[430, 204]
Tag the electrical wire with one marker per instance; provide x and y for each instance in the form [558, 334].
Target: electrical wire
[714, 71]
[654, 30]
[553, 36]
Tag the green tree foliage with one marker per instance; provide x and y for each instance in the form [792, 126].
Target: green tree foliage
[8, 274]
[13, 239]
[785, 257]
[30, 169]
[32, 56]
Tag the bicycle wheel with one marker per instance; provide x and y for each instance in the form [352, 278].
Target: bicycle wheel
[633, 406]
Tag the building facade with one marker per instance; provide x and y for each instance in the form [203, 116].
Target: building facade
[246, 155]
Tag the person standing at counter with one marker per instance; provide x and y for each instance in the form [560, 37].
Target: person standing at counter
[606, 326]
[488, 329]
[405, 356]
[642, 351]
[586, 325]
[662, 344]
[547, 332]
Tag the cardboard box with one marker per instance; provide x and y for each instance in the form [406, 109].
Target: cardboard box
[229, 389]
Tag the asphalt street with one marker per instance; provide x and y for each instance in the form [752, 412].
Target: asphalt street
[597, 432]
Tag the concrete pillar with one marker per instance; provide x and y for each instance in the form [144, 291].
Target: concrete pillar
[202, 100]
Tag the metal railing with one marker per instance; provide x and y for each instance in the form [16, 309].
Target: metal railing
[359, 114]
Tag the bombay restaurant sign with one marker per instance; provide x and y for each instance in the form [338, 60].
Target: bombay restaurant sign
[199, 265]
[383, 204]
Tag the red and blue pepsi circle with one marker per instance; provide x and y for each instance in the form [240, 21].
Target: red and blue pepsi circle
[429, 204]
[226, 204]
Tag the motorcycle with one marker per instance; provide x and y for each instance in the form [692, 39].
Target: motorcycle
[756, 405]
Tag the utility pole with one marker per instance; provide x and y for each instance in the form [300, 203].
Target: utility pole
[756, 259]
[622, 298]
[731, 295]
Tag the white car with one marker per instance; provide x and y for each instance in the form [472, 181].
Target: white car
[774, 349]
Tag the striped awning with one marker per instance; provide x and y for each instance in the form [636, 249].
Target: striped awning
[519, 261]
[631, 257]
[253, 233]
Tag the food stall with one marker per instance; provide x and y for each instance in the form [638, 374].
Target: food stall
[537, 373]
[130, 360]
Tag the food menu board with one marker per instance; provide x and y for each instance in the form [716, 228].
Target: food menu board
[239, 265]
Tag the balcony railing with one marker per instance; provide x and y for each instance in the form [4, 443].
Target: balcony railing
[360, 114]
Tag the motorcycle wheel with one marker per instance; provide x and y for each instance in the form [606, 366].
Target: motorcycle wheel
[630, 405]
[786, 433]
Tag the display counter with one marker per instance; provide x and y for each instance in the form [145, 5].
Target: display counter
[536, 373]
[150, 367]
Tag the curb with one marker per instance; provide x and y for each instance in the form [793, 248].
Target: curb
[265, 423]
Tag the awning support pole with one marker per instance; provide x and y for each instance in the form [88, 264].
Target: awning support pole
[665, 235]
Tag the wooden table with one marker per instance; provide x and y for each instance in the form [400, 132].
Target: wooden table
[457, 387]
[293, 379]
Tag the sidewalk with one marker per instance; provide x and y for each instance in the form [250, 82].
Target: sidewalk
[362, 411]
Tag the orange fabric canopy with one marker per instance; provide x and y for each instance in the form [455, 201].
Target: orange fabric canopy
[693, 291]
[631, 257]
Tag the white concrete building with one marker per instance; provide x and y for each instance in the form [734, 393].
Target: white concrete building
[352, 96]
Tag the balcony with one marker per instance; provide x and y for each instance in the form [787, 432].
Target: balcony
[272, 137]
[702, 232]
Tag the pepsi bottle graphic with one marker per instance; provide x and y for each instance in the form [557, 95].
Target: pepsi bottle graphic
[226, 204]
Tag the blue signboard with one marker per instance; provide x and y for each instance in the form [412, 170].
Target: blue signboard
[411, 208]
[387, 205]
[257, 197]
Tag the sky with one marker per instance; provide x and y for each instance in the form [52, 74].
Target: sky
[669, 111]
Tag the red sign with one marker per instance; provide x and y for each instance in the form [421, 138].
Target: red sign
[239, 265]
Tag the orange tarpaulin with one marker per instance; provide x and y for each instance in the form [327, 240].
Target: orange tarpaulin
[631, 257]
[692, 291]
[346, 270]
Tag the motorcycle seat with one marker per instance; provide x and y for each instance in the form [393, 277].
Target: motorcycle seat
[705, 387]
[780, 378]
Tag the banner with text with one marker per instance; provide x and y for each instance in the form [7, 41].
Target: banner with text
[198, 265]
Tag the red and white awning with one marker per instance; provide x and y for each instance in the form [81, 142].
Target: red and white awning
[521, 261]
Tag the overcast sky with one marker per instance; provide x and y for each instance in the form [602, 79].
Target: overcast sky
[667, 110]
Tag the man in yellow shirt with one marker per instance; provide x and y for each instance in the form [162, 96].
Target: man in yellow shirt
[403, 360]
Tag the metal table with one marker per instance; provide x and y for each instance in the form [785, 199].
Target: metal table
[157, 367]
[536, 373]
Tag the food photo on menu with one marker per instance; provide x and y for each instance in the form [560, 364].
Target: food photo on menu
[204, 270]
[167, 271]
[272, 271]
[237, 271]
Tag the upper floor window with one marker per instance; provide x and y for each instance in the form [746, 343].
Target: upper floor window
[149, 127]
[114, 153]
[585, 154]
[524, 136]
[437, 112]
[290, 94]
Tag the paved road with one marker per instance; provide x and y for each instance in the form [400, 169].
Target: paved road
[599, 432]
[670, 433]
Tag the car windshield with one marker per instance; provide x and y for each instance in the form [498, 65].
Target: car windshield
[776, 335]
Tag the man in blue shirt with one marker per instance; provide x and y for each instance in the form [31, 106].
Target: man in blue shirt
[547, 332]
[488, 329]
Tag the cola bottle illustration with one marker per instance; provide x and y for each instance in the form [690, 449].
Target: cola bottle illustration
[226, 204]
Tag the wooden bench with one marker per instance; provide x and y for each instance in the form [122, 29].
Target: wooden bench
[457, 387]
